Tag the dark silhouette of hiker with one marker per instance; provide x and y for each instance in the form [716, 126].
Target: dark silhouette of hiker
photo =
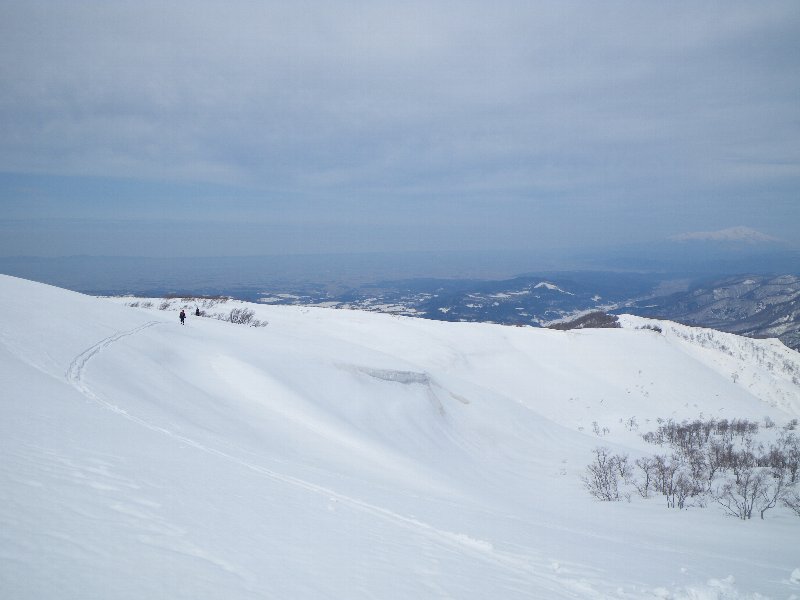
[183, 316]
[197, 312]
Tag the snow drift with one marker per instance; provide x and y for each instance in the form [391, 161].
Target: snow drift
[341, 454]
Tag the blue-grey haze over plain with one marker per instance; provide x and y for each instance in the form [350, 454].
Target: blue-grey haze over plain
[256, 128]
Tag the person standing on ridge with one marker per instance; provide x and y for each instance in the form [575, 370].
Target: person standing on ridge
[197, 311]
[183, 316]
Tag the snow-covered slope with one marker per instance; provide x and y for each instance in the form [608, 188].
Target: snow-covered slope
[340, 454]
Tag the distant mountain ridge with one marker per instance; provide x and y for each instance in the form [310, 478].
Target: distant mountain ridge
[755, 305]
[750, 305]
[531, 299]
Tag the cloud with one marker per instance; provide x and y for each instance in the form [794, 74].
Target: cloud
[518, 114]
[265, 94]
[732, 234]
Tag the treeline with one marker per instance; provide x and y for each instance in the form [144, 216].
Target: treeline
[709, 461]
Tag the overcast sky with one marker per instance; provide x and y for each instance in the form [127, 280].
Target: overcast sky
[194, 128]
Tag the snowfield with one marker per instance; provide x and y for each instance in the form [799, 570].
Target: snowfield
[344, 454]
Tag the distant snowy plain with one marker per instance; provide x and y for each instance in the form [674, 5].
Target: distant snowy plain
[344, 454]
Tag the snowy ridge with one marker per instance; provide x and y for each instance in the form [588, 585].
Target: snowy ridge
[746, 361]
[345, 454]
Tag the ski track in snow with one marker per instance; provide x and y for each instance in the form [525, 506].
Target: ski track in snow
[463, 543]
[74, 373]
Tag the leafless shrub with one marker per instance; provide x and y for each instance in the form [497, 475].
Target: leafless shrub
[719, 456]
[696, 467]
[664, 470]
[789, 444]
[601, 476]
[743, 463]
[755, 489]
[791, 500]
[646, 468]
[773, 491]
[739, 497]
[683, 488]
[164, 305]
[651, 327]
[242, 316]
[651, 438]
[676, 483]
[622, 467]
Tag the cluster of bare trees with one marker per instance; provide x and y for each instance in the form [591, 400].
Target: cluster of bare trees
[243, 316]
[239, 316]
[717, 461]
[143, 304]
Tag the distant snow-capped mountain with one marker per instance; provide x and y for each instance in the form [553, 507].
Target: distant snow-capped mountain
[550, 286]
[732, 234]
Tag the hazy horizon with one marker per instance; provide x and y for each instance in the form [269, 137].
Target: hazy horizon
[224, 274]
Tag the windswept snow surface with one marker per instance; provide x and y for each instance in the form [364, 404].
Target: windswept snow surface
[342, 454]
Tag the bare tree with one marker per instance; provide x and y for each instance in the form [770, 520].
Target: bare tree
[772, 492]
[743, 462]
[790, 446]
[697, 468]
[719, 456]
[791, 500]
[684, 487]
[646, 466]
[739, 497]
[622, 466]
[601, 476]
[664, 470]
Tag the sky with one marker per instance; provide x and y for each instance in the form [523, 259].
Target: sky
[248, 128]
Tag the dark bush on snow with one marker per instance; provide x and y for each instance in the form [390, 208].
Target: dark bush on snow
[601, 479]
[245, 316]
[242, 316]
[594, 320]
[650, 327]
